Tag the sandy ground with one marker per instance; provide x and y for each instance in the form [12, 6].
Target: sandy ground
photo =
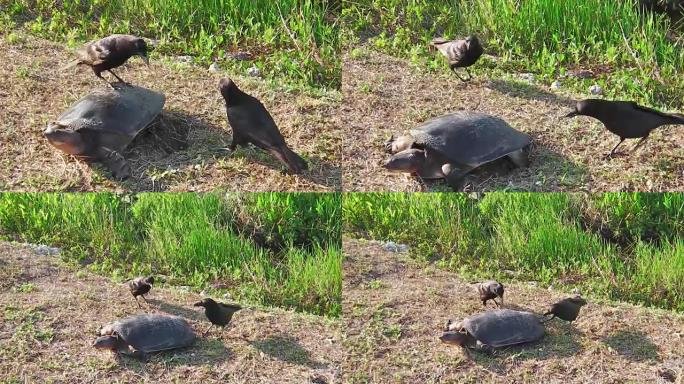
[383, 95]
[52, 312]
[394, 311]
[35, 92]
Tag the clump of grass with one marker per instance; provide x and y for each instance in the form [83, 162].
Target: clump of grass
[194, 240]
[297, 40]
[543, 237]
[628, 48]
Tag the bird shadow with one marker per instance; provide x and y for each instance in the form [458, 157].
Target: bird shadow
[176, 310]
[287, 349]
[524, 90]
[633, 345]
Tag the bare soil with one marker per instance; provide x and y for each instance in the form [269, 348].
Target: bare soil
[51, 313]
[34, 91]
[383, 95]
[395, 310]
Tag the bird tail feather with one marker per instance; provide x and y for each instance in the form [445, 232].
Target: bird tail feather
[70, 65]
[679, 117]
[293, 161]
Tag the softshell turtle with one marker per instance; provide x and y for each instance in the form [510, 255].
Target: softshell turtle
[99, 126]
[452, 145]
[494, 329]
[139, 335]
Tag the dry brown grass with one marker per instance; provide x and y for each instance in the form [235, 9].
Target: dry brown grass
[51, 313]
[384, 95]
[34, 92]
[394, 311]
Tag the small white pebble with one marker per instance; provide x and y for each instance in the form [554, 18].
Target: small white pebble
[214, 67]
[184, 59]
[556, 85]
[254, 71]
[596, 90]
[576, 291]
[527, 77]
[532, 283]
[550, 288]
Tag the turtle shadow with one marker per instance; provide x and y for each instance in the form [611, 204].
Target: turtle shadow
[204, 350]
[523, 90]
[176, 140]
[633, 345]
[548, 171]
[561, 340]
[286, 349]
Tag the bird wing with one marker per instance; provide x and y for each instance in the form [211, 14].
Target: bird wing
[453, 50]
[252, 120]
[654, 111]
[97, 52]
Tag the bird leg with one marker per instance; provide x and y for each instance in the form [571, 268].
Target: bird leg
[459, 76]
[470, 76]
[207, 331]
[117, 77]
[643, 139]
[137, 302]
[146, 302]
[610, 155]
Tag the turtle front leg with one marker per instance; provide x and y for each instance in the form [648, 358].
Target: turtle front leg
[520, 157]
[115, 162]
[455, 176]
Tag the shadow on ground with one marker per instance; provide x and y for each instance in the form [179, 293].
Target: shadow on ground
[633, 345]
[527, 91]
[287, 349]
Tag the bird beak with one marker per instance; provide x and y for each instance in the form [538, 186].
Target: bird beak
[571, 114]
[198, 304]
[146, 59]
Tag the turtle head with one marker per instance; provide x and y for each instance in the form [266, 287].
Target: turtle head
[64, 138]
[455, 338]
[398, 144]
[111, 342]
[141, 50]
[409, 160]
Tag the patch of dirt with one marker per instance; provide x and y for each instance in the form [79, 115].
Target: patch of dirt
[35, 92]
[395, 310]
[383, 95]
[51, 314]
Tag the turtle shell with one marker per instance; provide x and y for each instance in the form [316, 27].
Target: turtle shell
[113, 117]
[469, 138]
[504, 327]
[152, 333]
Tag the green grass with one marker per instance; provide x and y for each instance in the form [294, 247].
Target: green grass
[617, 245]
[628, 47]
[295, 41]
[197, 240]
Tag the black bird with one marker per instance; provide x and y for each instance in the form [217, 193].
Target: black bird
[626, 119]
[460, 53]
[140, 286]
[110, 52]
[490, 290]
[566, 309]
[218, 313]
[251, 123]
